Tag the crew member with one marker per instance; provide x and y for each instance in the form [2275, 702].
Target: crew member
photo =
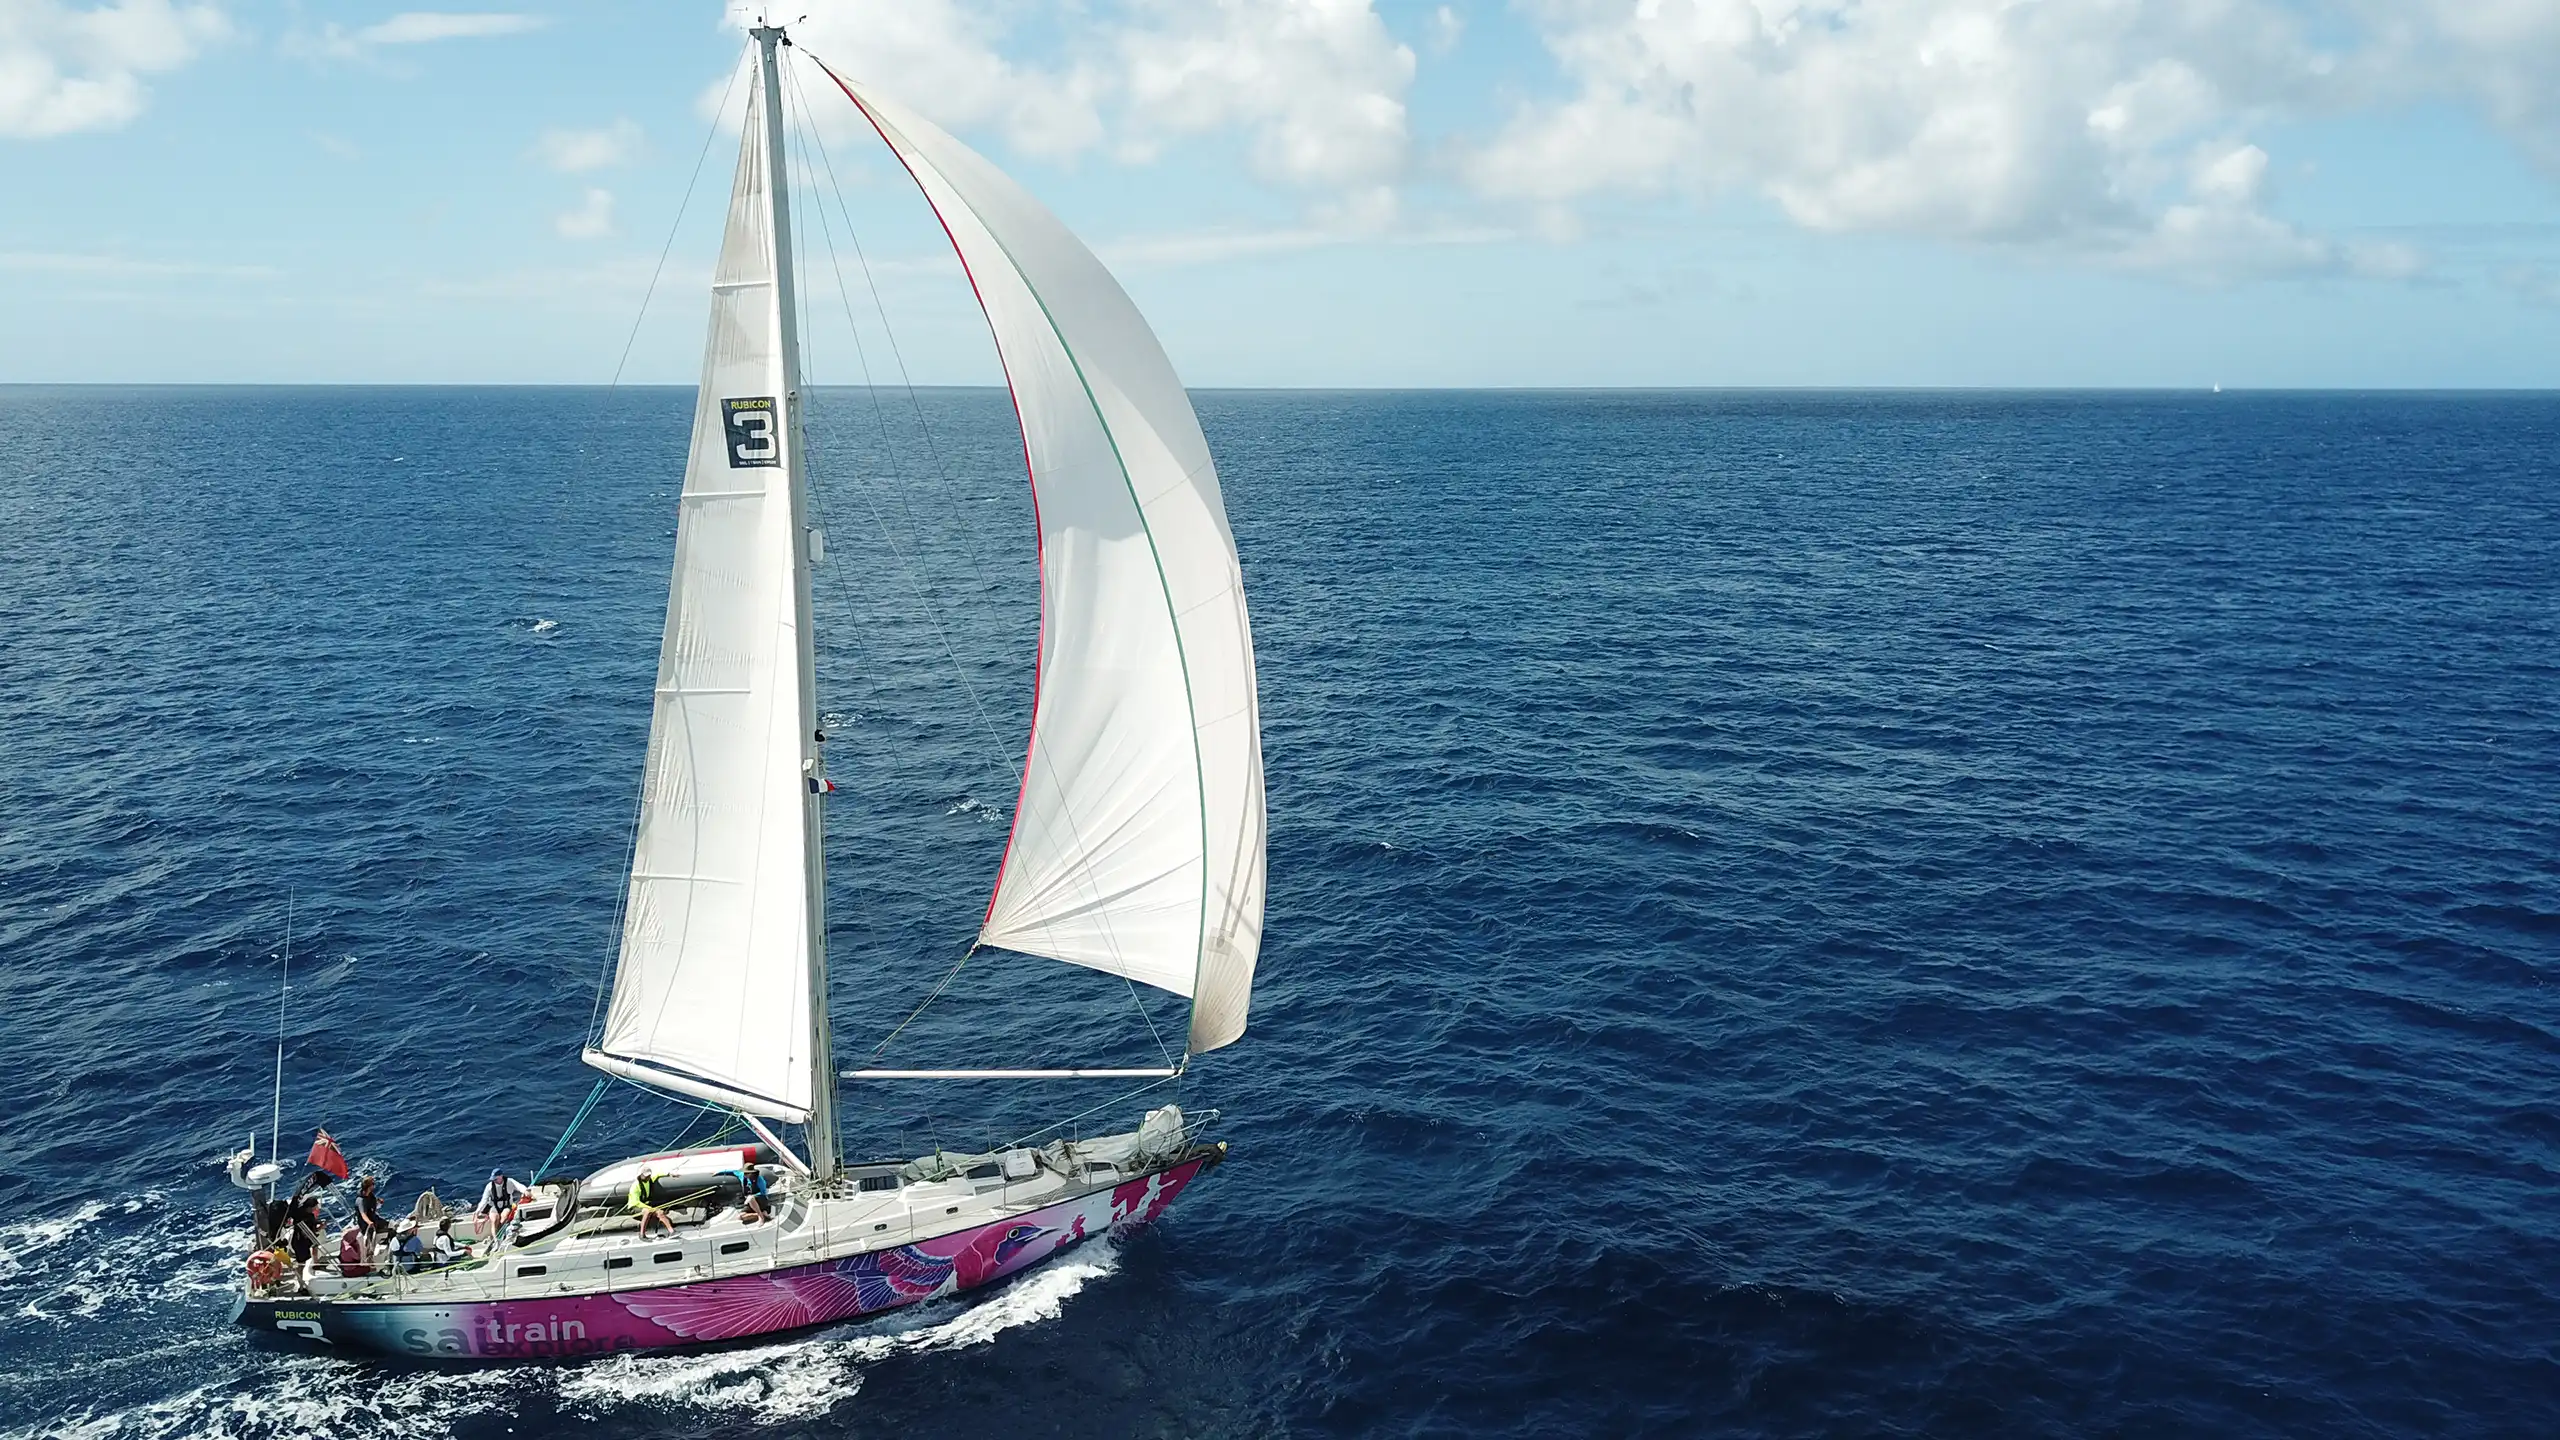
[497, 1202]
[409, 1247]
[638, 1204]
[369, 1210]
[351, 1252]
[751, 1193]
[306, 1228]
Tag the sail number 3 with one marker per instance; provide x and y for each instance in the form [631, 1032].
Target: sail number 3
[752, 440]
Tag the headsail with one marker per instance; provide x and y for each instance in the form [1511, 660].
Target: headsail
[1137, 844]
[712, 993]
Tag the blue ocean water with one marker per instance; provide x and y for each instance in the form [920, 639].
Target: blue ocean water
[1790, 913]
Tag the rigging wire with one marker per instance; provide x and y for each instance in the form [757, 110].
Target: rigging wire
[1079, 1115]
[844, 295]
[906, 565]
[719, 113]
[806, 392]
[928, 1000]
[1144, 1014]
[535, 1174]
[813, 141]
[888, 332]
[808, 132]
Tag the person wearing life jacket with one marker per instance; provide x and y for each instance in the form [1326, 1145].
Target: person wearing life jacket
[498, 1200]
[638, 1203]
[408, 1247]
[501, 1194]
[751, 1194]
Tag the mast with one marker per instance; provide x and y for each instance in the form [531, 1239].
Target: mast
[823, 1157]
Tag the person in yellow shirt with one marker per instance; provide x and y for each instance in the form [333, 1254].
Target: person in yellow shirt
[638, 1204]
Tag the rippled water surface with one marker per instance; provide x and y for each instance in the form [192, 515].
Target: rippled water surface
[1860, 914]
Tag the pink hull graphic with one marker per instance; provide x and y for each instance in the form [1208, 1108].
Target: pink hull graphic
[704, 1311]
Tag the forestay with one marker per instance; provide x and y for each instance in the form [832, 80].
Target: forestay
[711, 995]
[1137, 844]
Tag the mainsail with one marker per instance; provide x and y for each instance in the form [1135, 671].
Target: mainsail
[1137, 844]
[712, 993]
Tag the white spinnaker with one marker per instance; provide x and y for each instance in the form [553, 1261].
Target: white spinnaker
[711, 996]
[1137, 845]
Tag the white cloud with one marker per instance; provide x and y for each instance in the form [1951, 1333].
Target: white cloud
[591, 220]
[944, 57]
[1447, 25]
[1319, 84]
[411, 27]
[2113, 127]
[1201, 247]
[571, 151]
[65, 69]
[2498, 56]
[2533, 284]
[2221, 231]
[1316, 87]
[425, 27]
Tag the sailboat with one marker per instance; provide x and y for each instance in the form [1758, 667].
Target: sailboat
[1137, 846]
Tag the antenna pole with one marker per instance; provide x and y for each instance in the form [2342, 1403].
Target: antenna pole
[284, 984]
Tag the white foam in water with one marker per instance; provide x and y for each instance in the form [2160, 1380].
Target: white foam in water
[20, 1242]
[796, 1379]
[309, 1395]
[257, 1393]
[972, 805]
[51, 1280]
[545, 626]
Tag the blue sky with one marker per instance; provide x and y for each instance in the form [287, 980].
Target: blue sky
[1327, 192]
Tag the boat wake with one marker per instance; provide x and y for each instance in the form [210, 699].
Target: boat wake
[800, 1378]
[63, 1279]
[56, 1271]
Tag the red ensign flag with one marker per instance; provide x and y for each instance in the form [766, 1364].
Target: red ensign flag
[324, 1154]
